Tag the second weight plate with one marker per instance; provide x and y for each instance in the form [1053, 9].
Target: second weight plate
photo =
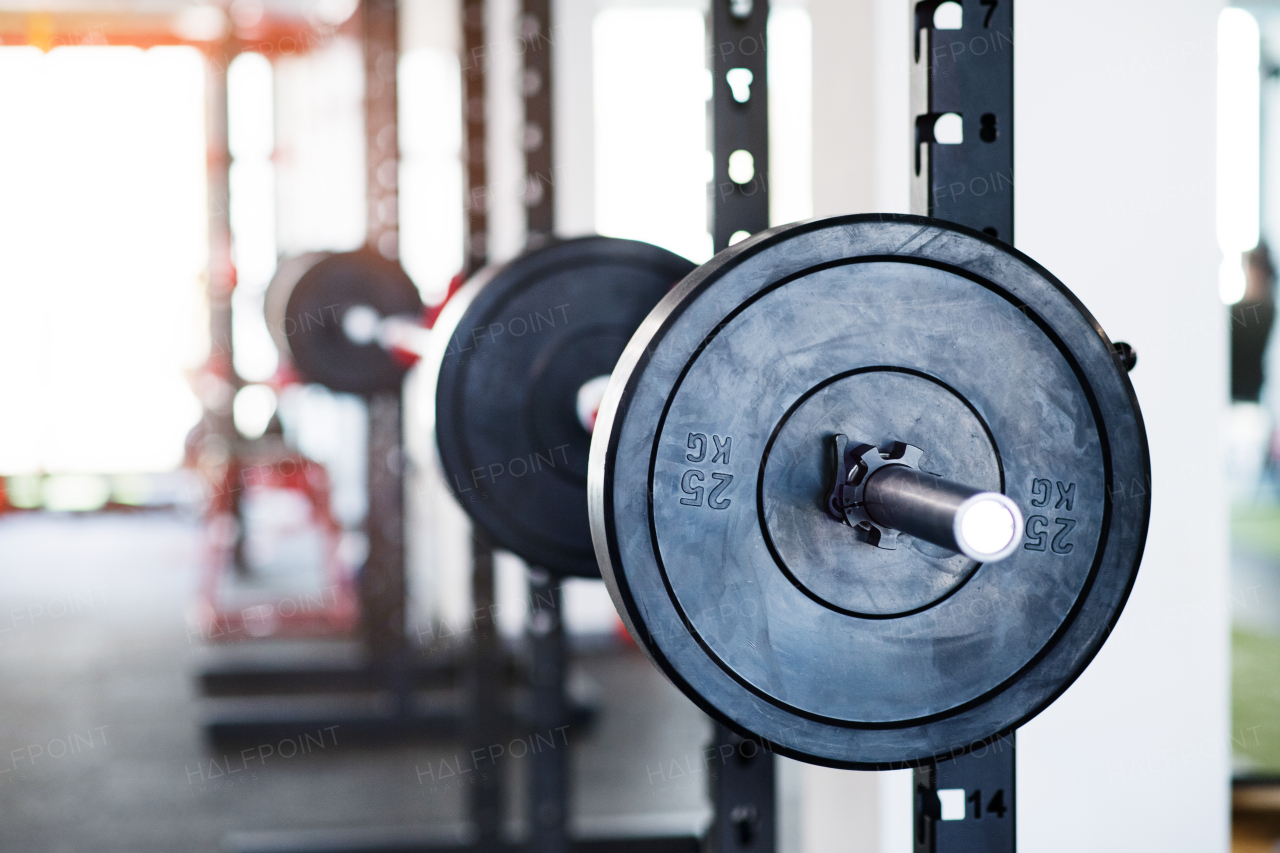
[318, 290]
[524, 352]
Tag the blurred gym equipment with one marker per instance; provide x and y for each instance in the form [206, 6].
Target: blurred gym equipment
[515, 390]
[306, 302]
[352, 322]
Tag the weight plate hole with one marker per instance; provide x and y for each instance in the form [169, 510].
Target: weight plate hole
[360, 324]
[588, 402]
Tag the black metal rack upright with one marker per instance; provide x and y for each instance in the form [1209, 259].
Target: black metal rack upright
[485, 685]
[965, 73]
[743, 789]
[549, 786]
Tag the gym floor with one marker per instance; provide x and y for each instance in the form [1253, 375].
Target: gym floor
[100, 740]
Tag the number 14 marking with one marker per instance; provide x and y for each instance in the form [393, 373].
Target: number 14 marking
[951, 804]
[995, 805]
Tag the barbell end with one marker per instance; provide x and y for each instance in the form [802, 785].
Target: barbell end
[893, 495]
[988, 527]
[402, 336]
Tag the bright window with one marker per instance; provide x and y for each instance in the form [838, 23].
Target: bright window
[1238, 145]
[431, 215]
[103, 248]
[652, 165]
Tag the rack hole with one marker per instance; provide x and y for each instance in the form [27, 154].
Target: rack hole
[952, 802]
[742, 167]
[739, 80]
[948, 16]
[948, 129]
[988, 132]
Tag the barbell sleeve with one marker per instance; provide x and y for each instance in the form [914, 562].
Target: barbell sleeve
[984, 526]
[363, 325]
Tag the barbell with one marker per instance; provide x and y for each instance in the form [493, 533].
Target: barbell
[872, 488]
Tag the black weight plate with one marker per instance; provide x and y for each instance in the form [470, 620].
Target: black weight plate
[712, 461]
[312, 322]
[514, 346]
[275, 302]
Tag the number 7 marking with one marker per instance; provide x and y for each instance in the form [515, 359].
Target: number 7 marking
[992, 4]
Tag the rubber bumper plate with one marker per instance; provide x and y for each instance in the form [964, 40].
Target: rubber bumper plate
[711, 464]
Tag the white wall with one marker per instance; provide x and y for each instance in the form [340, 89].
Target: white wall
[573, 100]
[844, 97]
[861, 138]
[1115, 183]
[1115, 178]
[830, 811]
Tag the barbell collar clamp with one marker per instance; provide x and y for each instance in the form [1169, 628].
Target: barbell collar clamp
[886, 494]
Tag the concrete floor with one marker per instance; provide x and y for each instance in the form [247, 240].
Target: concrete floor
[100, 745]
